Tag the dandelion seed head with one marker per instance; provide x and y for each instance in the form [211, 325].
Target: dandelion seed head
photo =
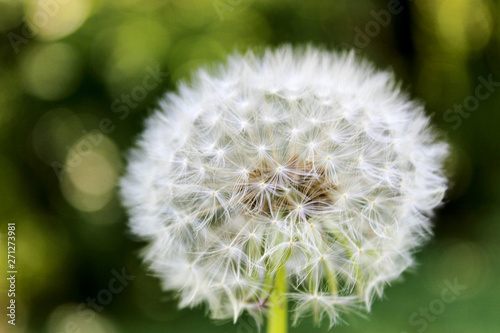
[304, 158]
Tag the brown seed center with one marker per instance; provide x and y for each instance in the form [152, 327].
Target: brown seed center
[295, 185]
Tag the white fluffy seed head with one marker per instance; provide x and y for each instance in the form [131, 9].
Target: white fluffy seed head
[305, 158]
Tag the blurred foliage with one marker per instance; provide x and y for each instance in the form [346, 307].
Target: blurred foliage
[78, 77]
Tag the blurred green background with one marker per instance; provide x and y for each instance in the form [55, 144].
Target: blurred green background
[78, 77]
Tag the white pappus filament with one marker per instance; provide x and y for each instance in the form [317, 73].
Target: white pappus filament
[297, 157]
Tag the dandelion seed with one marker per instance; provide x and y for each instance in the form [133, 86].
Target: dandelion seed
[311, 172]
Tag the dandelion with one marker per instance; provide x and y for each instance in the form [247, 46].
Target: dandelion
[299, 175]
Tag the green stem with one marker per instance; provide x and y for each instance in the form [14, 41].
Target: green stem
[277, 321]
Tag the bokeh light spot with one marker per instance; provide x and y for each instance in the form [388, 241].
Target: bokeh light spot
[67, 318]
[129, 50]
[51, 71]
[52, 19]
[464, 25]
[91, 171]
[466, 262]
[52, 133]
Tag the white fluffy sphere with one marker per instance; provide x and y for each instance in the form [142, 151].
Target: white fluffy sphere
[303, 158]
